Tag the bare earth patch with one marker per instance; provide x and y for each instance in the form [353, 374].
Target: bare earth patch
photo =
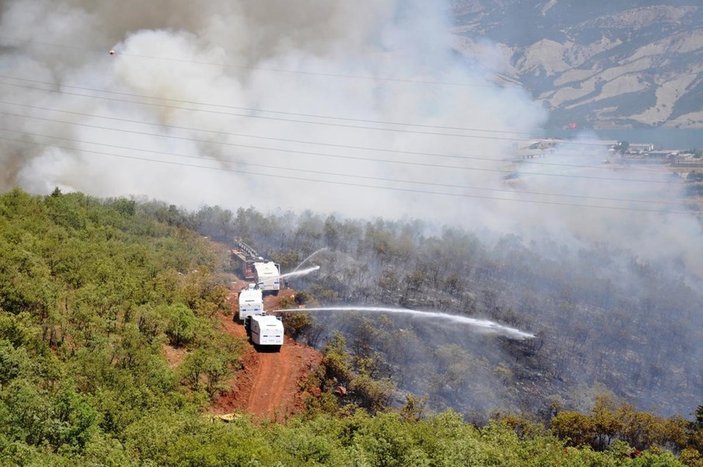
[174, 355]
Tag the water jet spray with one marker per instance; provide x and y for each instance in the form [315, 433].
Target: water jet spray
[302, 272]
[483, 325]
[309, 257]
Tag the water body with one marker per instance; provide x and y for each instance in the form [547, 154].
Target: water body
[483, 325]
[662, 138]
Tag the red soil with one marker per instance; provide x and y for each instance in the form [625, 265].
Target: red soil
[269, 385]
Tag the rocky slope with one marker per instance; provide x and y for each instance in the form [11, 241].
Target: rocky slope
[626, 63]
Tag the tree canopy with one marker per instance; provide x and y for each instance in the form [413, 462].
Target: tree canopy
[95, 293]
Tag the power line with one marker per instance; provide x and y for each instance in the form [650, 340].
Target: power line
[272, 70]
[565, 143]
[264, 117]
[315, 143]
[338, 174]
[335, 156]
[255, 109]
[289, 140]
[360, 185]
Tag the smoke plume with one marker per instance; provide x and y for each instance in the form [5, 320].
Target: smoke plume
[224, 53]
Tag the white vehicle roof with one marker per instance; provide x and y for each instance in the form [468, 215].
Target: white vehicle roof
[268, 321]
[267, 269]
[250, 296]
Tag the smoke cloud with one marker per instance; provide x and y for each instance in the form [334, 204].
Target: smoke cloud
[223, 53]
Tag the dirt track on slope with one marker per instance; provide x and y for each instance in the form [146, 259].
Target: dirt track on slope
[269, 385]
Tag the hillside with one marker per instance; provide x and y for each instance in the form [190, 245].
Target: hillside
[112, 352]
[620, 64]
[592, 307]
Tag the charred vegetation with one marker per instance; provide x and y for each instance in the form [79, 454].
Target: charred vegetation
[603, 317]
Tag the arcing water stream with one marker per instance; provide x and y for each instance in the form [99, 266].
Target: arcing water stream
[309, 257]
[302, 272]
[482, 324]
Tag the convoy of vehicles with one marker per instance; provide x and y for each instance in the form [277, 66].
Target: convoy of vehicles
[264, 278]
[265, 331]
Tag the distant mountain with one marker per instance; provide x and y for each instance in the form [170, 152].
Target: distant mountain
[601, 64]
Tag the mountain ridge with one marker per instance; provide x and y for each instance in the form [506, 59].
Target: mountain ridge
[630, 64]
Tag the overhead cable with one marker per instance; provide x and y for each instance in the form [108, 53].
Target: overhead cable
[360, 185]
[224, 159]
[335, 156]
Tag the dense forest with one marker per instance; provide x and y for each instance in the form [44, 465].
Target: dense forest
[94, 293]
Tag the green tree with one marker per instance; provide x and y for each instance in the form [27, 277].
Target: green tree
[181, 323]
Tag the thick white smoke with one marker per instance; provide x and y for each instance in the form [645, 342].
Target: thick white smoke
[183, 54]
[176, 56]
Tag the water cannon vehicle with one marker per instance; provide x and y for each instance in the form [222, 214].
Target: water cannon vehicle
[265, 331]
[251, 302]
[267, 275]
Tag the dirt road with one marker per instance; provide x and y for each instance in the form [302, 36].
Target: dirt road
[268, 386]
